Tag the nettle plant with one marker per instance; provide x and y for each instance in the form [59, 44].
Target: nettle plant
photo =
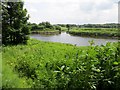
[97, 67]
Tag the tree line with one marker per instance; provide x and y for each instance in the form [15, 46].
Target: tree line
[44, 26]
[107, 25]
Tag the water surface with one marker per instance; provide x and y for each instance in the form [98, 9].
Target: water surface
[75, 40]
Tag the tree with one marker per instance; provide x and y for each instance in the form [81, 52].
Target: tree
[14, 23]
[57, 27]
[47, 25]
[68, 26]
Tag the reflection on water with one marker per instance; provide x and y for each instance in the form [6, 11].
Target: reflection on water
[75, 40]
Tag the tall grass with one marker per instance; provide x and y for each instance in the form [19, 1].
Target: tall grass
[54, 65]
[96, 32]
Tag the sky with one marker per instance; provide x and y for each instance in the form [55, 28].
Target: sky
[72, 11]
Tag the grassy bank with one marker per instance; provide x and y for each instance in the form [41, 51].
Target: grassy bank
[96, 32]
[46, 32]
[54, 65]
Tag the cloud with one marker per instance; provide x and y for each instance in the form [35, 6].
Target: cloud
[72, 11]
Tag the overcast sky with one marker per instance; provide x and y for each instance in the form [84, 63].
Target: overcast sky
[72, 11]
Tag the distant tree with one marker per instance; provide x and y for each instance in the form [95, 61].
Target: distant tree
[62, 25]
[68, 26]
[34, 27]
[41, 27]
[57, 27]
[47, 25]
[14, 23]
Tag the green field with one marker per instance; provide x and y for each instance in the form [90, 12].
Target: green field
[32, 64]
[53, 65]
[95, 32]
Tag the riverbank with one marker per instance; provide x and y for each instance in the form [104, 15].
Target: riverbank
[53, 32]
[96, 32]
[54, 65]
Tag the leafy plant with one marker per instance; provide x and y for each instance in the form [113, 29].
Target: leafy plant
[54, 65]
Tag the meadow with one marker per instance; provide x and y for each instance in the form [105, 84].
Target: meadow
[96, 32]
[32, 64]
[61, 66]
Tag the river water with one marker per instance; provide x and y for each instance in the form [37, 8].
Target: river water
[75, 40]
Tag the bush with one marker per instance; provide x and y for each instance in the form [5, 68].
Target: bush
[53, 65]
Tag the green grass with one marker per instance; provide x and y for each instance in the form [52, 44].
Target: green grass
[54, 65]
[64, 29]
[51, 32]
[0, 68]
[11, 79]
[95, 32]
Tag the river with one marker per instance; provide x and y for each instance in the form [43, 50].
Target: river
[75, 40]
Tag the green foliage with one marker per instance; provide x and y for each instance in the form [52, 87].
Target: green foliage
[58, 28]
[95, 32]
[41, 26]
[14, 23]
[54, 65]
[10, 79]
[107, 25]
[45, 28]
[91, 42]
[68, 26]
